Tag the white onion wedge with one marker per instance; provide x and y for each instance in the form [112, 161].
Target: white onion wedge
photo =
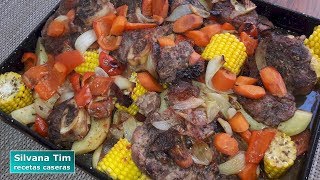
[85, 40]
[234, 165]
[226, 126]
[122, 82]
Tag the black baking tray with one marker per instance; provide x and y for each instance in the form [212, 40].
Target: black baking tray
[296, 22]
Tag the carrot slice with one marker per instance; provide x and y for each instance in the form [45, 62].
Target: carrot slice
[147, 7]
[250, 91]
[250, 43]
[160, 8]
[249, 172]
[228, 27]
[122, 10]
[148, 82]
[273, 82]
[246, 135]
[211, 30]
[136, 26]
[166, 41]
[250, 29]
[109, 43]
[56, 29]
[226, 144]
[118, 26]
[187, 23]
[102, 26]
[199, 38]
[239, 123]
[180, 38]
[245, 80]
[223, 80]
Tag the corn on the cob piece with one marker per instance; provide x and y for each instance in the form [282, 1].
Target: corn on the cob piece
[91, 61]
[13, 93]
[138, 91]
[230, 47]
[313, 43]
[118, 162]
[280, 156]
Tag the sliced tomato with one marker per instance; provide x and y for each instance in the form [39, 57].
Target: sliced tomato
[29, 60]
[100, 85]
[71, 59]
[112, 66]
[102, 26]
[87, 78]
[41, 126]
[75, 81]
[49, 85]
[109, 42]
[34, 75]
[83, 97]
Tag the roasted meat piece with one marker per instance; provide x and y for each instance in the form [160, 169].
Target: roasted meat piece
[67, 123]
[156, 159]
[224, 9]
[270, 110]
[181, 91]
[148, 103]
[292, 59]
[172, 60]
[135, 42]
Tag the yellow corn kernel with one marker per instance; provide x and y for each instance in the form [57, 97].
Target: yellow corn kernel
[13, 93]
[230, 47]
[118, 163]
[91, 61]
[280, 156]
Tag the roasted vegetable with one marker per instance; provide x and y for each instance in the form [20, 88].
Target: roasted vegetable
[234, 165]
[280, 156]
[298, 123]
[95, 137]
[13, 93]
[138, 91]
[91, 61]
[25, 115]
[118, 162]
[230, 47]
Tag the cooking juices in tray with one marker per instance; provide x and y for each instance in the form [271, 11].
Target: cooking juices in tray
[181, 88]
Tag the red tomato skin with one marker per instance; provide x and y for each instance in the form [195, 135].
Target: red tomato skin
[83, 97]
[71, 59]
[41, 126]
[112, 66]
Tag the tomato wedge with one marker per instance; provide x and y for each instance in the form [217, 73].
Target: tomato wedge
[34, 75]
[109, 42]
[83, 97]
[71, 59]
[41, 126]
[102, 26]
[29, 60]
[75, 81]
[100, 85]
[110, 65]
[49, 85]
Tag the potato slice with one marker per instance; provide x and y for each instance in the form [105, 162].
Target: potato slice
[26, 115]
[96, 156]
[95, 137]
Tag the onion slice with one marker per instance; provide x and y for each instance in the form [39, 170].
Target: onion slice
[100, 72]
[260, 56]
[164, 125]
[122, 82]
[41, 53]
[190, 103]
[213, 66]
[141, 18]
[178, 12]
[201, 153]
[199, 12]
[85, 40]
[234, 165]
[241, 9]
[226, 126]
